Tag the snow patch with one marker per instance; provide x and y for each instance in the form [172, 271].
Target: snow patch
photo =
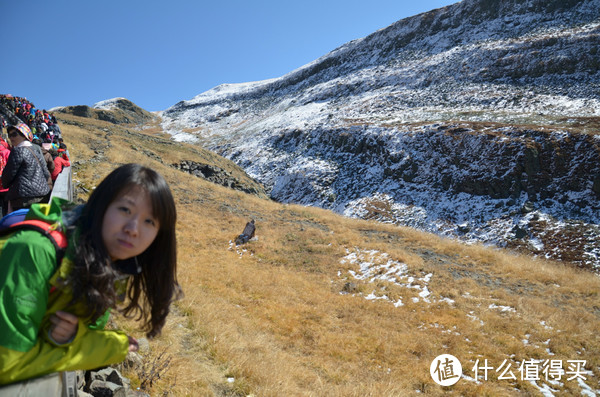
[108, 104]
[374, 266]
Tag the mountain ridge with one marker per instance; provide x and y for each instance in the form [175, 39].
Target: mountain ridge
[116, 110]
[408, 34]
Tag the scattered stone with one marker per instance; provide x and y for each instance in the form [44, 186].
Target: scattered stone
[133, 359]
[519, 232]
[527, 207]
[100, 388]
[106, 382]
[464, 228]
[143, 345]
[349, 288]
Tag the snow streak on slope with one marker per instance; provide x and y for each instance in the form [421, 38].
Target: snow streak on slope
[108, 104]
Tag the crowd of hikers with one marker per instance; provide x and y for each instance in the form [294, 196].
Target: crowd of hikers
[65, 267]
[32, 154]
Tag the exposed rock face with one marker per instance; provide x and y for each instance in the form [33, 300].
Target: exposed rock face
[496, 162]
[78, 110]
[217, 175]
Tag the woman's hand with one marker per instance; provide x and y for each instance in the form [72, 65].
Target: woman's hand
[133, 344]
[64, 327]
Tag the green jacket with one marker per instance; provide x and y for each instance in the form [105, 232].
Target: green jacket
[27, 274]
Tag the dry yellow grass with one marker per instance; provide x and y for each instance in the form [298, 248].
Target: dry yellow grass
[269, 318]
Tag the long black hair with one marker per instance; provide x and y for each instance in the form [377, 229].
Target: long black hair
[94, 275]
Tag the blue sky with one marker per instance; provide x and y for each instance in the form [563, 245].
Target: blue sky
[79, 52]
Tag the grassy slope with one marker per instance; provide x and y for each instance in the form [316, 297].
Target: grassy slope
[270, 316]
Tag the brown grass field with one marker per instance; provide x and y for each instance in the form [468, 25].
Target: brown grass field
[283, 315]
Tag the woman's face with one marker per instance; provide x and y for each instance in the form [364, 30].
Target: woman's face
[15, 137]
[128, 227]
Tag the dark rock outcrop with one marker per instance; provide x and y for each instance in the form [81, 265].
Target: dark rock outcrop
[217, 175]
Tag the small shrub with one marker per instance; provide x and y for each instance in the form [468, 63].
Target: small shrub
[151, 371]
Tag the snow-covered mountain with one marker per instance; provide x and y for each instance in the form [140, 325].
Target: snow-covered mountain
[478, 120]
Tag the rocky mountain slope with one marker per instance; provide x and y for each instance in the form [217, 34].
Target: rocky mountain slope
[116, 111]
[478, 120]
[151, 143]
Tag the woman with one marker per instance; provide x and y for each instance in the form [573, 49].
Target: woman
[59, 164]
[25, 174]
[47, 156]
[4, 153]
[122, 242]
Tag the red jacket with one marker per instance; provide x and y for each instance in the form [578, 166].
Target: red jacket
[4, 153]
[59, 163]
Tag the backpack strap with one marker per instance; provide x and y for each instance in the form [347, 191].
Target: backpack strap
[52, 231]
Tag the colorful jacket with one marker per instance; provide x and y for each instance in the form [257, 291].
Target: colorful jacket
[25, 174]
[59, 164]
[27, 274]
